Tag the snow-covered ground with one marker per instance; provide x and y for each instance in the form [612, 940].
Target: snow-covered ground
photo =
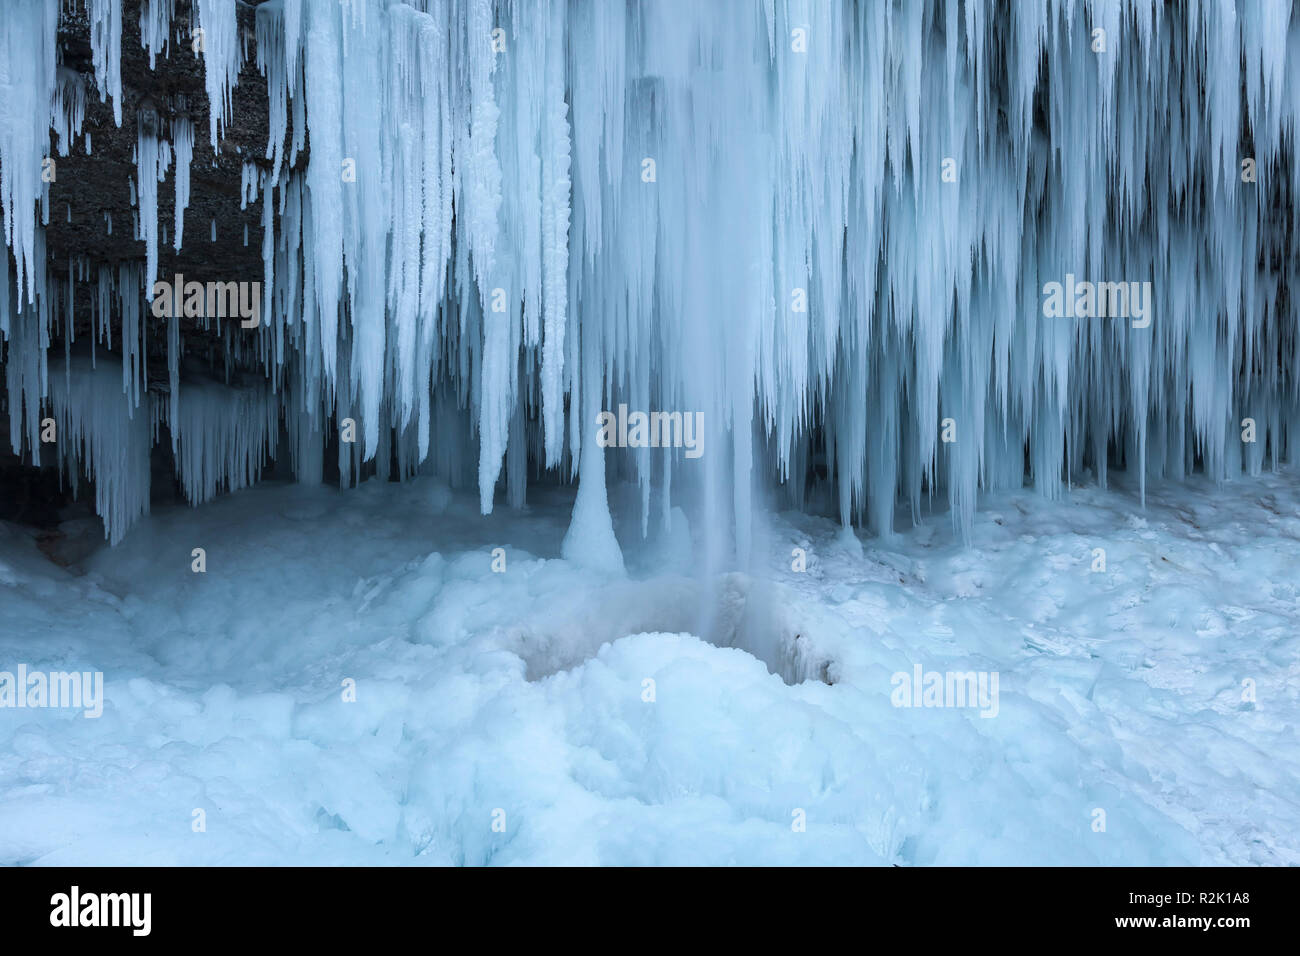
[547, 714]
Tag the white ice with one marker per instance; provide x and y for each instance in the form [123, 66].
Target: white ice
[524, 691]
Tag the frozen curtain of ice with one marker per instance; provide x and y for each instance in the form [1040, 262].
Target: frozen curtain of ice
[826, 224]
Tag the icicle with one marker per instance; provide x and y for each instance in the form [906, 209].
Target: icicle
[97, 427]
[323, 59]
[866, 242]
[183, 131]
[106, 49]
[130, 300]
[219, 44]
[151, 161]
[222, 436]
[27, 70]
[155, 28]
[69, 110]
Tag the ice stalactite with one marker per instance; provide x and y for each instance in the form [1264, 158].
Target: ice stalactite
[106, 48]
[223, 435]
[153, 158]
[555, 188]
[102, 433]
[924, 248]
[130, 285]
[69, 109]
[217, 41]
[322, 56]
[155, 28]
[28, 64]
[183, 131]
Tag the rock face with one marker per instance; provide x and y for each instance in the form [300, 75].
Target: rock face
[94, 186]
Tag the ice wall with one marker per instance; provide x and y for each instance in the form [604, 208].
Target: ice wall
[832, 227]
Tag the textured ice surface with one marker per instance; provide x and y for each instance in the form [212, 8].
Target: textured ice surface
[522, 691]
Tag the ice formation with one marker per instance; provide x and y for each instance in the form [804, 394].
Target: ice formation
[827, 225]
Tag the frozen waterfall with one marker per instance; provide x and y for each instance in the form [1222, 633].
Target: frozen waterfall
[940, 246]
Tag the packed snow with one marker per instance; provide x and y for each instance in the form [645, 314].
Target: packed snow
[501, 716]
